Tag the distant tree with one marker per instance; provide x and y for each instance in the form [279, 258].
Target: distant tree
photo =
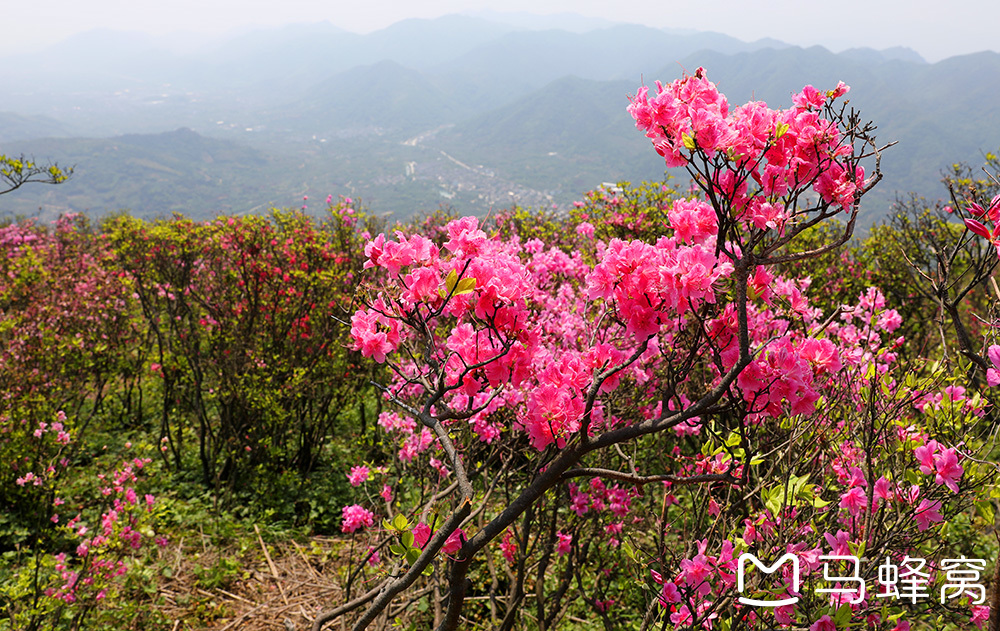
[16, 172]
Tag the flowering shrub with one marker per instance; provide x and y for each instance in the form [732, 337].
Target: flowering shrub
[66, 335]
[246, 359]
[100, 523]
[615, 412]
[213, 341]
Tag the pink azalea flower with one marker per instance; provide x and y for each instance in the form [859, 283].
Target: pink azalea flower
[948, 470]
[696, 572]
[882, 490]
[358, 475]
[682, 617]
[823, 624]
[785, 614]
[838, 543]
[980, 616]
[854, 501]
[421, 533]
[565, 544]
[669, 594]
[993, 374]
[454, 542]
[925, 454]
[927, 514]
[508, 546]
[356, 517]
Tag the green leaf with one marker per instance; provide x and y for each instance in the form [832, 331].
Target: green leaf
[450, 281]
[465, 286]
[397, 549]
[843, 616]
[688, 140]
[987, 511]
[796, 484]
[412, 555]
[627, 548]
[399, 522]
[773, 499]
[388, 525]
[407, 539]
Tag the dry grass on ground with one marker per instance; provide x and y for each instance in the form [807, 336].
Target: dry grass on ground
[279, 587]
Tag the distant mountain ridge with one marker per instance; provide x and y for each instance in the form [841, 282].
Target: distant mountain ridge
[459, 110]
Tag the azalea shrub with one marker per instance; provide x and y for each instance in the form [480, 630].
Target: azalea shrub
[585, 425]
[66, 342]
[246, 362]
[148, 364]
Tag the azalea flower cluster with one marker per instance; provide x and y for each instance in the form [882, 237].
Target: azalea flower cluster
[103, 551]
[781, 151]
[990, 214]
[578, 399]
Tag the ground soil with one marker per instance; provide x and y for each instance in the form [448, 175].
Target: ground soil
[281, 586]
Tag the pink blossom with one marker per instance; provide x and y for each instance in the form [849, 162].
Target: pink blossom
[925, 454]
[882, 490]
[508, 546]
[927, 514]
[980, 615]
[565, 544]
[854, 501]
[454, 542]
[358, 475]
[823, 624]
[682, 617]
[355, 517]
[669, 594]
[695, 573]
[421, 533]
[948, 470]
[785, 614]
[993, 374]
[838, 543]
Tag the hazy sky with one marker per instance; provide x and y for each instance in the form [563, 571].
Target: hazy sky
[934, 28]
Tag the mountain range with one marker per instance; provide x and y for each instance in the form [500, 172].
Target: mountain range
[472, 112]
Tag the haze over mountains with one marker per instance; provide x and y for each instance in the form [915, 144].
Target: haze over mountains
[475, 112]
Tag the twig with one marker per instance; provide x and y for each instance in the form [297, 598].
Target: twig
[305, 560]
[270, 564]
[232, 595]
[238, 620]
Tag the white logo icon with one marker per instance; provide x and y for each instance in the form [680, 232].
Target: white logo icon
[741, 563]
